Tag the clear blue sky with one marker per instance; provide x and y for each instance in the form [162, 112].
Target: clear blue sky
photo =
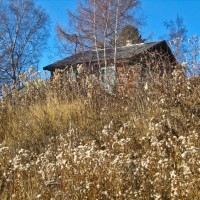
[154, 11]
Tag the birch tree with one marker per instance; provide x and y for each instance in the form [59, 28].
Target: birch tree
[97, 23]
[23, 32]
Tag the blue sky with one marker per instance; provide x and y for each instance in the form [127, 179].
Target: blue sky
[154, 11]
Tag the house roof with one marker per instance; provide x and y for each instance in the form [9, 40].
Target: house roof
[125, 52]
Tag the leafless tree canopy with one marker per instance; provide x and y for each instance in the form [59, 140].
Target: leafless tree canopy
[97, 23]
[23, 32]
[177, 36]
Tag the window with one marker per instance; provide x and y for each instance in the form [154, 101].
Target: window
[72, 72]
[108, 77]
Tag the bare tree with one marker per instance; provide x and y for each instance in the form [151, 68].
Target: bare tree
[177, 36]
[192, 64]
[96, 23]
[116, 30]
[23, 32]
[68, 43]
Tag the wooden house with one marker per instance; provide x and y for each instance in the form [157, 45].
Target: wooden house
[134, 64]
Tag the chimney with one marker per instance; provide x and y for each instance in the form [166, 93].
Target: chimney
[129, 42]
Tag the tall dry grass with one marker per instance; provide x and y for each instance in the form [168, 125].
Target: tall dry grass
[63, 139]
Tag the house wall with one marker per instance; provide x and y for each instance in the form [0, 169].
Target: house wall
[131, 74]
[149, 66]
[129, 77]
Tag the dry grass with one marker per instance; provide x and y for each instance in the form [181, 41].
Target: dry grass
[72, 140]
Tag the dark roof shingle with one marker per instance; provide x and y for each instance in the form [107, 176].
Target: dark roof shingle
[125, 52]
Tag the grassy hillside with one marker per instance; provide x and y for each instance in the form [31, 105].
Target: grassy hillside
[72, 140]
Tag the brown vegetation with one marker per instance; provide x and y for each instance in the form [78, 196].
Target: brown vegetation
[72, 140]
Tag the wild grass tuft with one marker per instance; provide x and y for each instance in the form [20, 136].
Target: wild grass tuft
[67, 139]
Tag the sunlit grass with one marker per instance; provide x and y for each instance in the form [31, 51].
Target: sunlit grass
[72, 140]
